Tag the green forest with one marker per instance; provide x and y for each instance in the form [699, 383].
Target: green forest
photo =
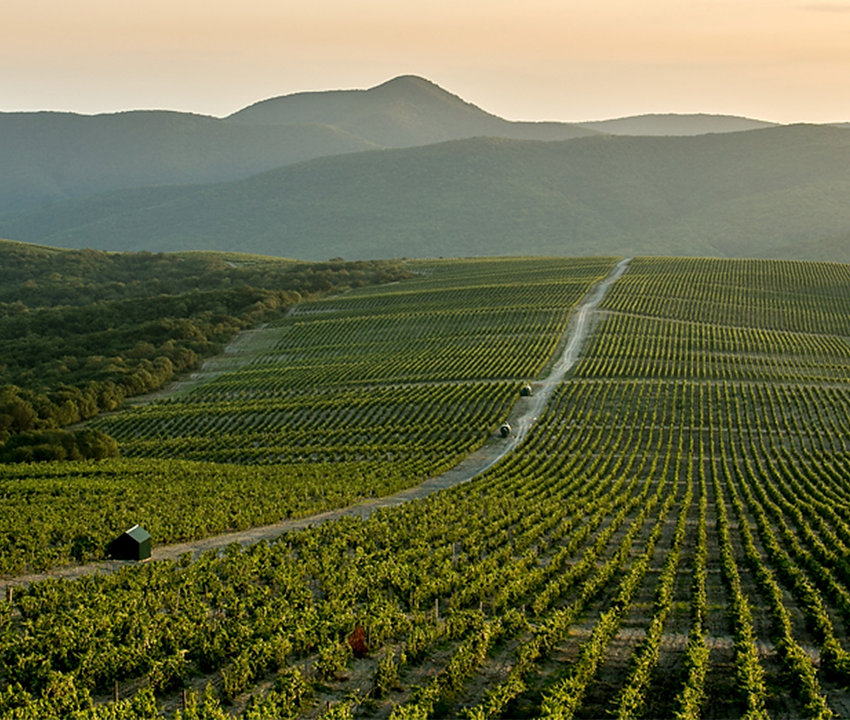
[81, 330]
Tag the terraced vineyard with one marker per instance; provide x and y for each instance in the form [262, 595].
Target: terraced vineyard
[671, 539]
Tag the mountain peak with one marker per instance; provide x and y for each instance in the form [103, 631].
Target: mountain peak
[405, 111]
[397, 113]
[413, 87]
[408, 80]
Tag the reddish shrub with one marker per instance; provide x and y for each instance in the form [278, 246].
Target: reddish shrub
[357, 641]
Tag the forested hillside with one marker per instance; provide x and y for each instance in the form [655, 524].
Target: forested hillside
[406, 111]
[734, 195]
[82, 330]
[408, 169]
[51, 157]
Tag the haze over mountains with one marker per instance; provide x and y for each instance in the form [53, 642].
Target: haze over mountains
[405, 112]
[408, 169]
[667, 125]
[48, 157]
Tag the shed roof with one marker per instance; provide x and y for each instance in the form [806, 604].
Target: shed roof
[138, 533]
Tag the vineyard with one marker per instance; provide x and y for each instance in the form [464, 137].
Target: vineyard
[672, 539]
[362, 395]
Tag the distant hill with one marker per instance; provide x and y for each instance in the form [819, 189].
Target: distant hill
[673, 125]
[404, 112]
[48, 157]
[407, 168]
[735, 195]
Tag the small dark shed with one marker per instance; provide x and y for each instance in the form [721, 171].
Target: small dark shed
[135, 544]
[505, 430]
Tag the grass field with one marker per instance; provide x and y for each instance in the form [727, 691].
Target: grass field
[671, 539]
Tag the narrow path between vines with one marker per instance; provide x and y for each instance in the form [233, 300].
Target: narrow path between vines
[524, 415]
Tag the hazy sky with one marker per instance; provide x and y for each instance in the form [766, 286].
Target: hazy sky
[781, 60]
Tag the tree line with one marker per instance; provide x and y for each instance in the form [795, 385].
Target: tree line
[80, 331]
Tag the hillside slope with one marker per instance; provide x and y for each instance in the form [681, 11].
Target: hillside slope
[737, 194]
[49, 157]
[404, 112]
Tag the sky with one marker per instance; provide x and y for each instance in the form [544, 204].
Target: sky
[780, 60]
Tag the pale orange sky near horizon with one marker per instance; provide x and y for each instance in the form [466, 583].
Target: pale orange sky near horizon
[779, 60]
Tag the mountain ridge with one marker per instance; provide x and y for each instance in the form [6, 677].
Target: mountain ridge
[50, 157]
[408, 168]
[405, 111]
[736, 194]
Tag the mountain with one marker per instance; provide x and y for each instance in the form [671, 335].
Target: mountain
[736, 195]
[672, 125]
[404, 112]
[48, 157]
